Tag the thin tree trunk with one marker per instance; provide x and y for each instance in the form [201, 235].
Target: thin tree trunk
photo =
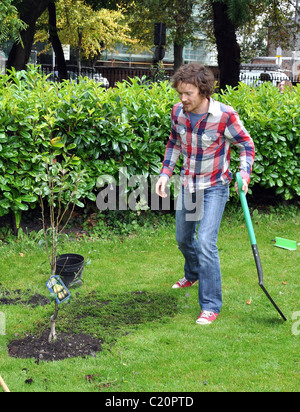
[229, 55]
[178, 56]
[79, 52]
[56, 44]
[53, 335]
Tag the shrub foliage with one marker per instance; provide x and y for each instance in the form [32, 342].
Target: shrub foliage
[273, 121]
[126, 126]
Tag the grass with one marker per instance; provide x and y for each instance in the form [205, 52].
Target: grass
[152, 343]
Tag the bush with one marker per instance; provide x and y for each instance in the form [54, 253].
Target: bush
[127, 126]
[273, 121]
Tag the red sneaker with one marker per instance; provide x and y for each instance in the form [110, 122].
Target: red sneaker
[183, 283]
[206, 317]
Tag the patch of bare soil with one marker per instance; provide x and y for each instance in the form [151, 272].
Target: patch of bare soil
[16, 297]
[88, 324]
[66, 346]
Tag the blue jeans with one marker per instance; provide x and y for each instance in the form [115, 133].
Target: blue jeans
[199, 247]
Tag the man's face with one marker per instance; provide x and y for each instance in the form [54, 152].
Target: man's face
[190, 97]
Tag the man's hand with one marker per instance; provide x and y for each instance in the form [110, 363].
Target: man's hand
[161, 186]
[244, 187]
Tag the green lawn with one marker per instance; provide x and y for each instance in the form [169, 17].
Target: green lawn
[249, 348]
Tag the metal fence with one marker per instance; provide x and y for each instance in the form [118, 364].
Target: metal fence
[255, 78]
[109, 76]
[73, 73]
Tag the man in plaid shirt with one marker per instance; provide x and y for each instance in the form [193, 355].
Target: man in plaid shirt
[202, 130]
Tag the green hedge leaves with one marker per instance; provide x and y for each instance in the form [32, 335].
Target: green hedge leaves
[126, 126]
[273, 121]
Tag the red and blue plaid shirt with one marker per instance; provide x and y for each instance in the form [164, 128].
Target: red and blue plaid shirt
[206, 148]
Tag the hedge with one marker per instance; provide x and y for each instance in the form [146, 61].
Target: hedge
[126, 126]
[273, 121]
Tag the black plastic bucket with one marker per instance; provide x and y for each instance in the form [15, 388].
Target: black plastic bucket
[69, 266]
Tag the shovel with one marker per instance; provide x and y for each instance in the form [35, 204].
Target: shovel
[253, 242]
[3, 384]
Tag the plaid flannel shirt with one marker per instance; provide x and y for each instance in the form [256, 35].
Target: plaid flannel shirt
[206, 149]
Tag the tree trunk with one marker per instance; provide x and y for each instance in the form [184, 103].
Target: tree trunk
[53, 335]
[56, 44]
[178, 55]
[30, 11]
[229, 55]
[79, 51]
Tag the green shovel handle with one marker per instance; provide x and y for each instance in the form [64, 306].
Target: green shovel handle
[245, 209]
[253, 242]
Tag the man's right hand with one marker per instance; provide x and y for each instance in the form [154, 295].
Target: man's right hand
[161, 186]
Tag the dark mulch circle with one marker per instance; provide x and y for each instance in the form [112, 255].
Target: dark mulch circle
[66, 346]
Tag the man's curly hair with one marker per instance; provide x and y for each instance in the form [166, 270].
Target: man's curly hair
[198, 75]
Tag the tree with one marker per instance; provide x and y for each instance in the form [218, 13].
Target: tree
[56, 43]
[62, 184]
[184, 28]
[231, 15]
[180, 16]
[229, 54]
[29, 11]
[253, 43]
[10, 24]
[87, 30]
[104, 4]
